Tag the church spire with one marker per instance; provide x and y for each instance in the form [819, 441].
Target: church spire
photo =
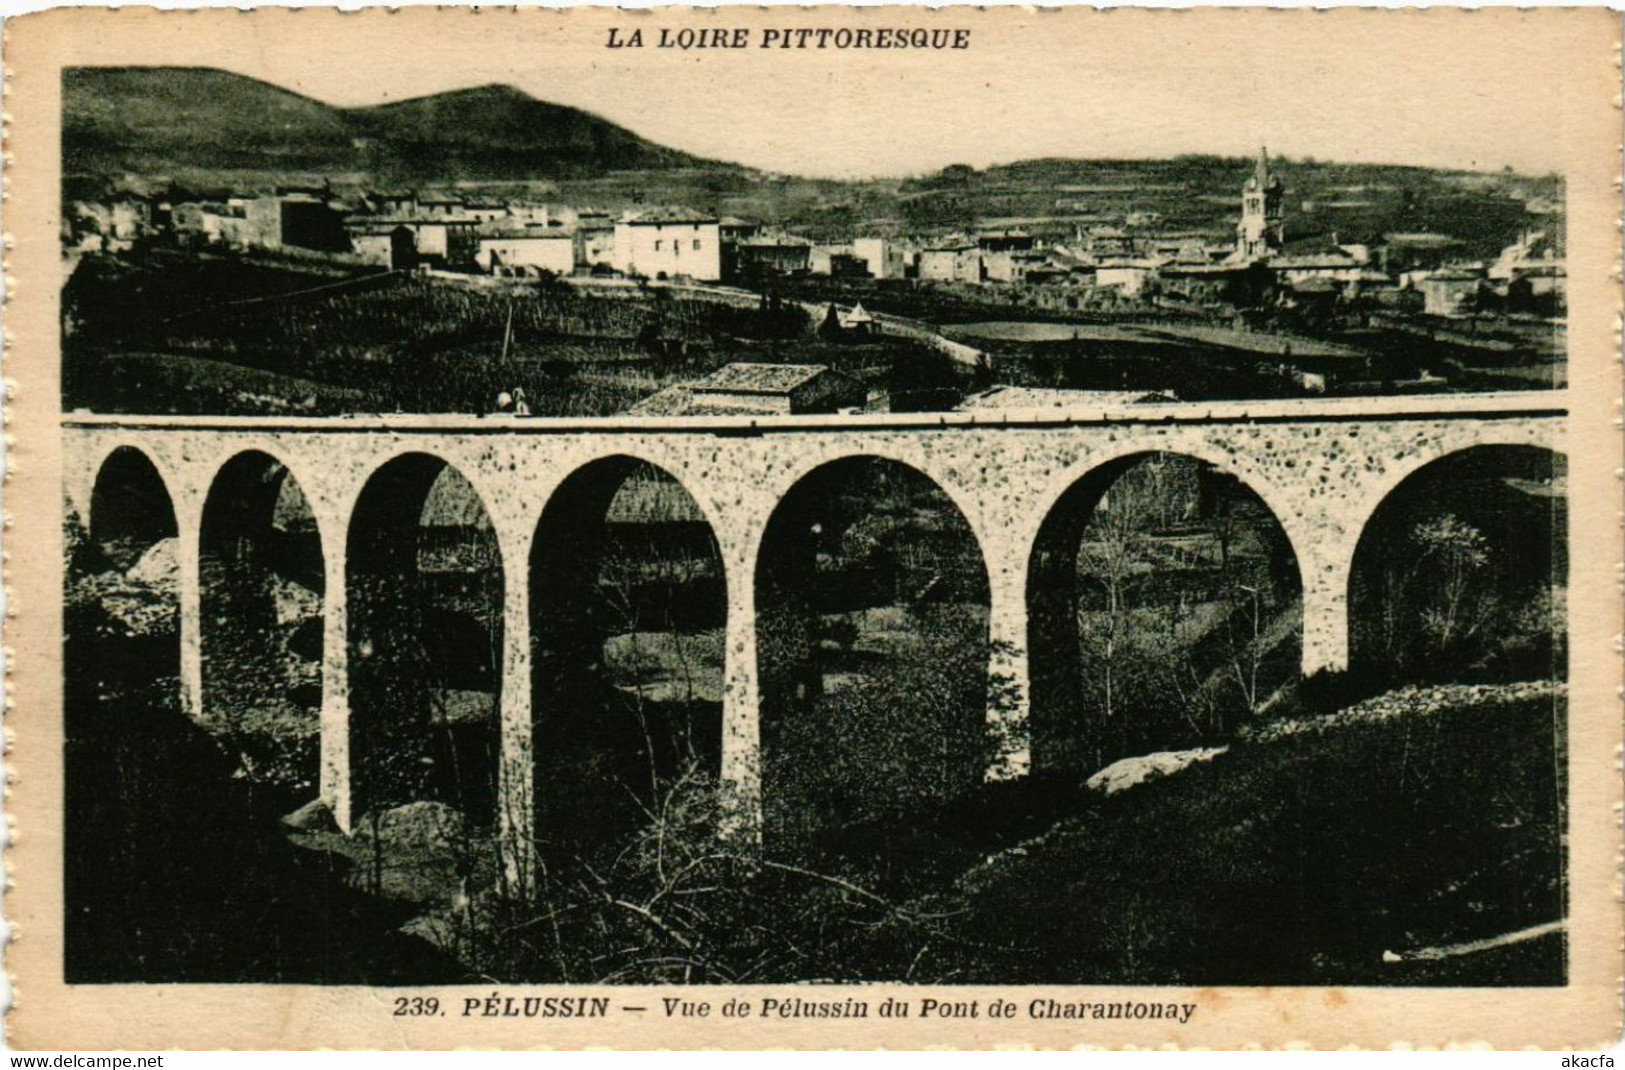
[1261, 170]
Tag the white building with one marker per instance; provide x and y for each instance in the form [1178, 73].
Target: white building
[884, 258]
[669, 243]
[525, 250]
[1132, 277]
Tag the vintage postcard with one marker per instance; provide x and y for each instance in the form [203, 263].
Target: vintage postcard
[815, 527]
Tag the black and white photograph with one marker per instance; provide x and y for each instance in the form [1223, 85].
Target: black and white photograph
[935, 519]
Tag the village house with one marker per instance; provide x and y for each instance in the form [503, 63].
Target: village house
[485, 211]
[1105, 242]
[734, 229]
[502, 248]
[1014, 266]
[848, 266]
[1240, 285]
[595, 238]
[214, 222]
[435, 241]
[1179, 250]
[1004, 241]
[771, 255]
[731, 230]
[1451, 292]
[435, 206]
[111, 226]
[1315, 296]
[821, 258]
[389, 245]
[882, 258]
[1335, 266]
[666, 243]
[1131, 278]
[391, 202]
[1537, 288]
[299, 219]
[1407, 251]
[1531, 274]
[952, 261]
[524, 213]
[307, 220]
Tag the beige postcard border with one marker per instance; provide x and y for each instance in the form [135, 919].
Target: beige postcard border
[50, 1014]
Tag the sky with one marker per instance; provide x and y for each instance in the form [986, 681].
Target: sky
[1453, 89]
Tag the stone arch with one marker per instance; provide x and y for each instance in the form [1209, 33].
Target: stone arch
[424, 598]
[872, 593]
[628, 611]
[131, 507]
[262, 581]
[1490, 521]
[123, 653]
[1203, 565]
[1282, 501]
[809, 462]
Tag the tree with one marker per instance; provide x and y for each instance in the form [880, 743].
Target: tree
[1454, 559]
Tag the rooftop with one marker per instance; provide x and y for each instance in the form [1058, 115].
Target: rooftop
[1315, 286]
[662, 216]
[748, 378]
[502, 228]
[1424, 238]
[1312, 261]
[769, 241]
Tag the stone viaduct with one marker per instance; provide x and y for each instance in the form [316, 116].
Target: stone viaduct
[1322, 466]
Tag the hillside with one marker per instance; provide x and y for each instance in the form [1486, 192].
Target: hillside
[200, 125]
[1411, 839]
[158, 119]
[497, 133]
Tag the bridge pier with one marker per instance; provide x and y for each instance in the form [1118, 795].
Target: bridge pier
[741, 775]
[1326, 575]
[1009, 679]
[188, 555]
[335, 778]
[516, 771]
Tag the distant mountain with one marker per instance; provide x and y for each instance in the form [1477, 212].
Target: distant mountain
[496, 132]
[190, 121]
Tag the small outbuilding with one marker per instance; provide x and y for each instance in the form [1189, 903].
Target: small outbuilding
[778, 389]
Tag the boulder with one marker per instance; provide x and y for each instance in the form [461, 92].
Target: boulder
[314, 816]
[1128, 772]
[159, 566]
[294, 602]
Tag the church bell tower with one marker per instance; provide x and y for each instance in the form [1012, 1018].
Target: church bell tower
[1261, 231]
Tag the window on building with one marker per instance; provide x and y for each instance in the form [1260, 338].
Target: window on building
[658, 243]
[696, 243]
